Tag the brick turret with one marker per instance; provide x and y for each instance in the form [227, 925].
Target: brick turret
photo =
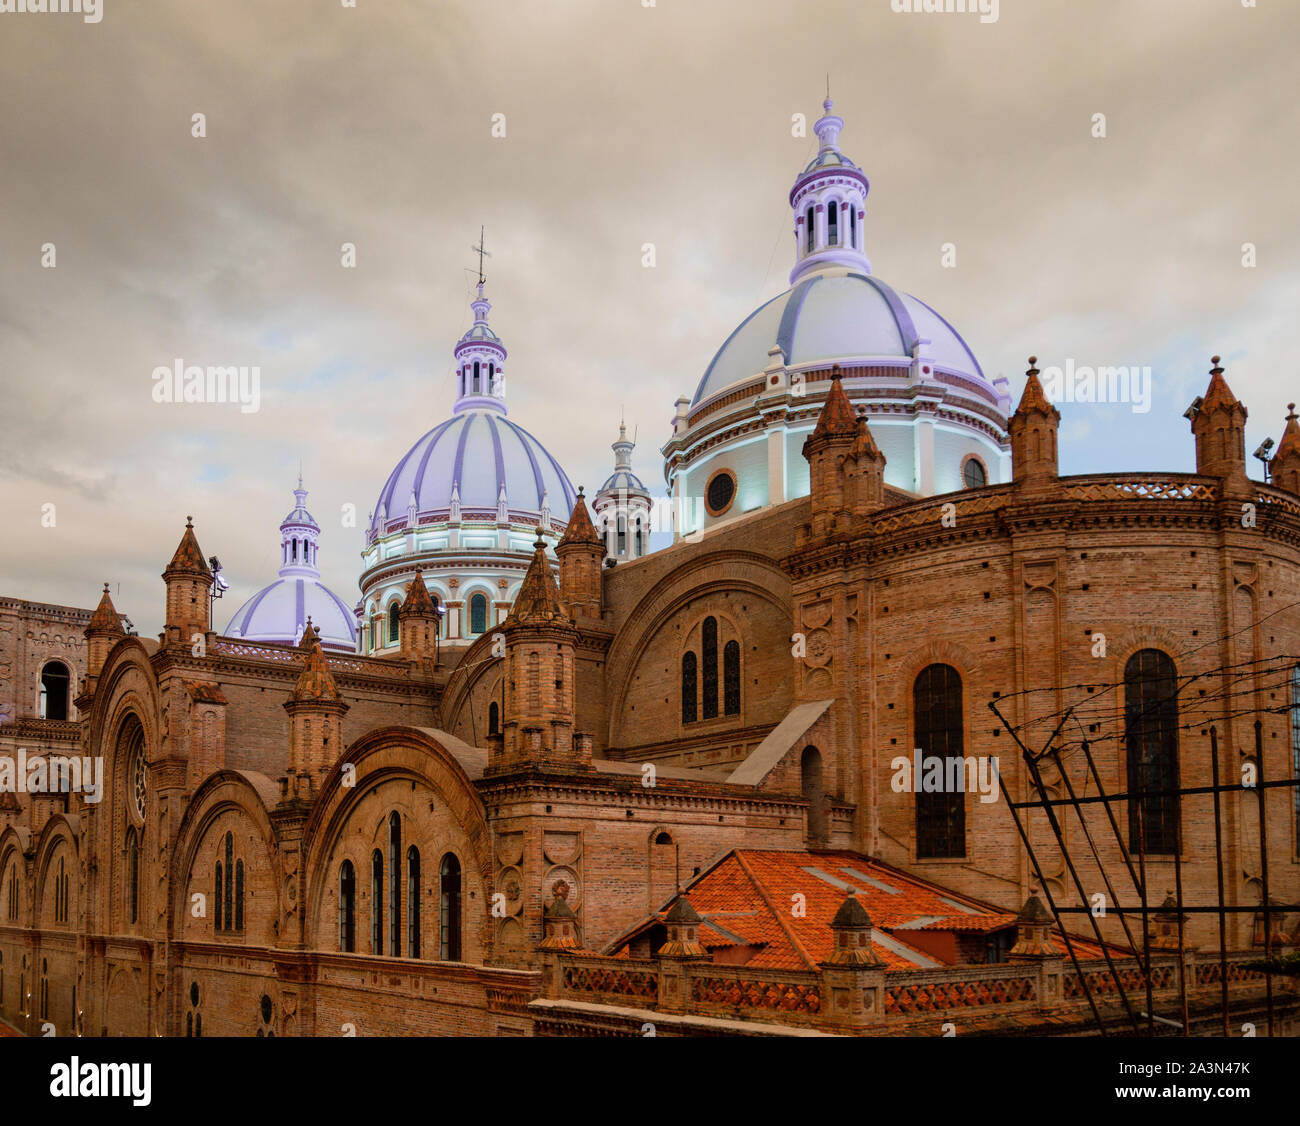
[1033, 434]
[189, 588]
[1219, 425]
[826, 449]
[1284, 469]
[852, 929]
[864, 472]
[540, 677]
[1034, 933]
[316, 710]
[103, 631]
[581, 552]
[419, 618]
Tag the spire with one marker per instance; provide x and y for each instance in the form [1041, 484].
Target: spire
[1219, 427]
[310, 636]
[1033, 397]
[1033, 431]
[1218, 395]
[188, 559]
[538, 601]
[828, 126]
[106, 619]
[837, 419]
[864, 442]
[480, 357]
[622, 449]
[580, 528]
[316, 682]
[417, 599]
[1284, 469]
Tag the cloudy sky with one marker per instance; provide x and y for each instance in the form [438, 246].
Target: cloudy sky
[624, 125]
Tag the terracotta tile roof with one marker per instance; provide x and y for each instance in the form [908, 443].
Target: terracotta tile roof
[106, 617]
[580, 528]
[538, 601]
[188, 557]
[1218, 395]
[837, 419]
[418, 601]
[316, 682]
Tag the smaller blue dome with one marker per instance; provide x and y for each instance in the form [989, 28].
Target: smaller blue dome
[624, 480]
[278, 613]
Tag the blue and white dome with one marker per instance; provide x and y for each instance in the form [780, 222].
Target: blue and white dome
[278, 613]
[838, 316]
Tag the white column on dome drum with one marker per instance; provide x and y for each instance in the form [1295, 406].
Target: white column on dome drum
[776, 465]
[925, 457]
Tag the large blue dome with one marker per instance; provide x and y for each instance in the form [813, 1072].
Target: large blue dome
[477, 451]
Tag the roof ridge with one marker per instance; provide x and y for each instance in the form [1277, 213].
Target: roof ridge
[776, 915]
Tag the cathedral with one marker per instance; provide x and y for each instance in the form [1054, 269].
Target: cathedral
[536, 778]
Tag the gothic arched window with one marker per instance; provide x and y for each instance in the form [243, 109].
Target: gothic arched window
[1151, 741]
[393, 623]
[230, 882]
[395, 884]
[478, 608]
[55, 680]
[940, 816]
[449, 909]
[239, 895]
[731, 678]
[347, 907]
[132, 876]
[709, 673]
[376, 902]
[217, 882]
[494, 718]
[413, 902]
[812, 786]
[832, 224]
[689, 713]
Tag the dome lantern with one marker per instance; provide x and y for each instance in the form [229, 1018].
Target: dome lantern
[480, 358]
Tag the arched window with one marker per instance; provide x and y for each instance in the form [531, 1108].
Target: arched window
[393, 624]
[492, 370]
[347, 907]
[449, 909]
[376, 902]
[809, 219]
[378, 631]
[853, 226]
[239, 895]
[216, 898]
[476, 375]
[833, 224]
[132, 876]
[937, 715]
[622, 534]
[709, 673]
[812, 786]
[45, 989]
[229, 913]
[55, 680]
[1295, 748]
[1151, 741]
[478, 609]
[395, 884]
[689, 713]
[494, 718]
[413, 902]
[731, 678]
[973, 475]
[60, 900]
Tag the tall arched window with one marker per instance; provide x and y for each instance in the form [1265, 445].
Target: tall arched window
[393, 624]
[853, 226]
[347, 907]
[132, 876]
[476, 377]
[239, 895]
[376, 902]
[709, 673]
[217, 882]
[809, 222]
[812, 786]
[60, 896]
[689, 713]
[449, 909]
[731, 678]
[937, 714]
[478, 609]
[45, 989]
[1151, 741]
[55, 680]
[1295, 749]
[494, 718]
[395, 884]
[230, 882]
[621, 541]
[413, 902]
[833, 224]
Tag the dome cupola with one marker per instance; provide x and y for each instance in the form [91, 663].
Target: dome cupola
[829, 199]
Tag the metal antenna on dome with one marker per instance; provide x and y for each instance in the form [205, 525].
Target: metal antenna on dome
[482, 253]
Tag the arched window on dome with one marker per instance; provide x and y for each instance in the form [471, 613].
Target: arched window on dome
[394, 624]
[476, 375]
[622, 534]
[853, 226]
[478, 609]
[833, 224]
[492, 370]
[810, 219]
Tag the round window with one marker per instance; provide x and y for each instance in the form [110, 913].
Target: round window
[720, 492]
[138, 782]
[973, 473]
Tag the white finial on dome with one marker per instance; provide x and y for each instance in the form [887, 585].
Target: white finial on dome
[503, 508]
[545, 521]
[412, 509]
[454, 514]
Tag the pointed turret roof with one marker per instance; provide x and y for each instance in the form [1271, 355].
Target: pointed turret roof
[1218, 395]
[418, 601]
[538, 600]
[1033, 398]
[1289, 446]
[837, 419]
[316, 682]
[310, 635]
[580, 528]
[681, 911]
[1034, 912]
[852, 914]
[189, 558]
[864, 442]
[106, 617]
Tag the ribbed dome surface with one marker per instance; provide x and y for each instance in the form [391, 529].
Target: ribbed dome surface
[278, 612]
